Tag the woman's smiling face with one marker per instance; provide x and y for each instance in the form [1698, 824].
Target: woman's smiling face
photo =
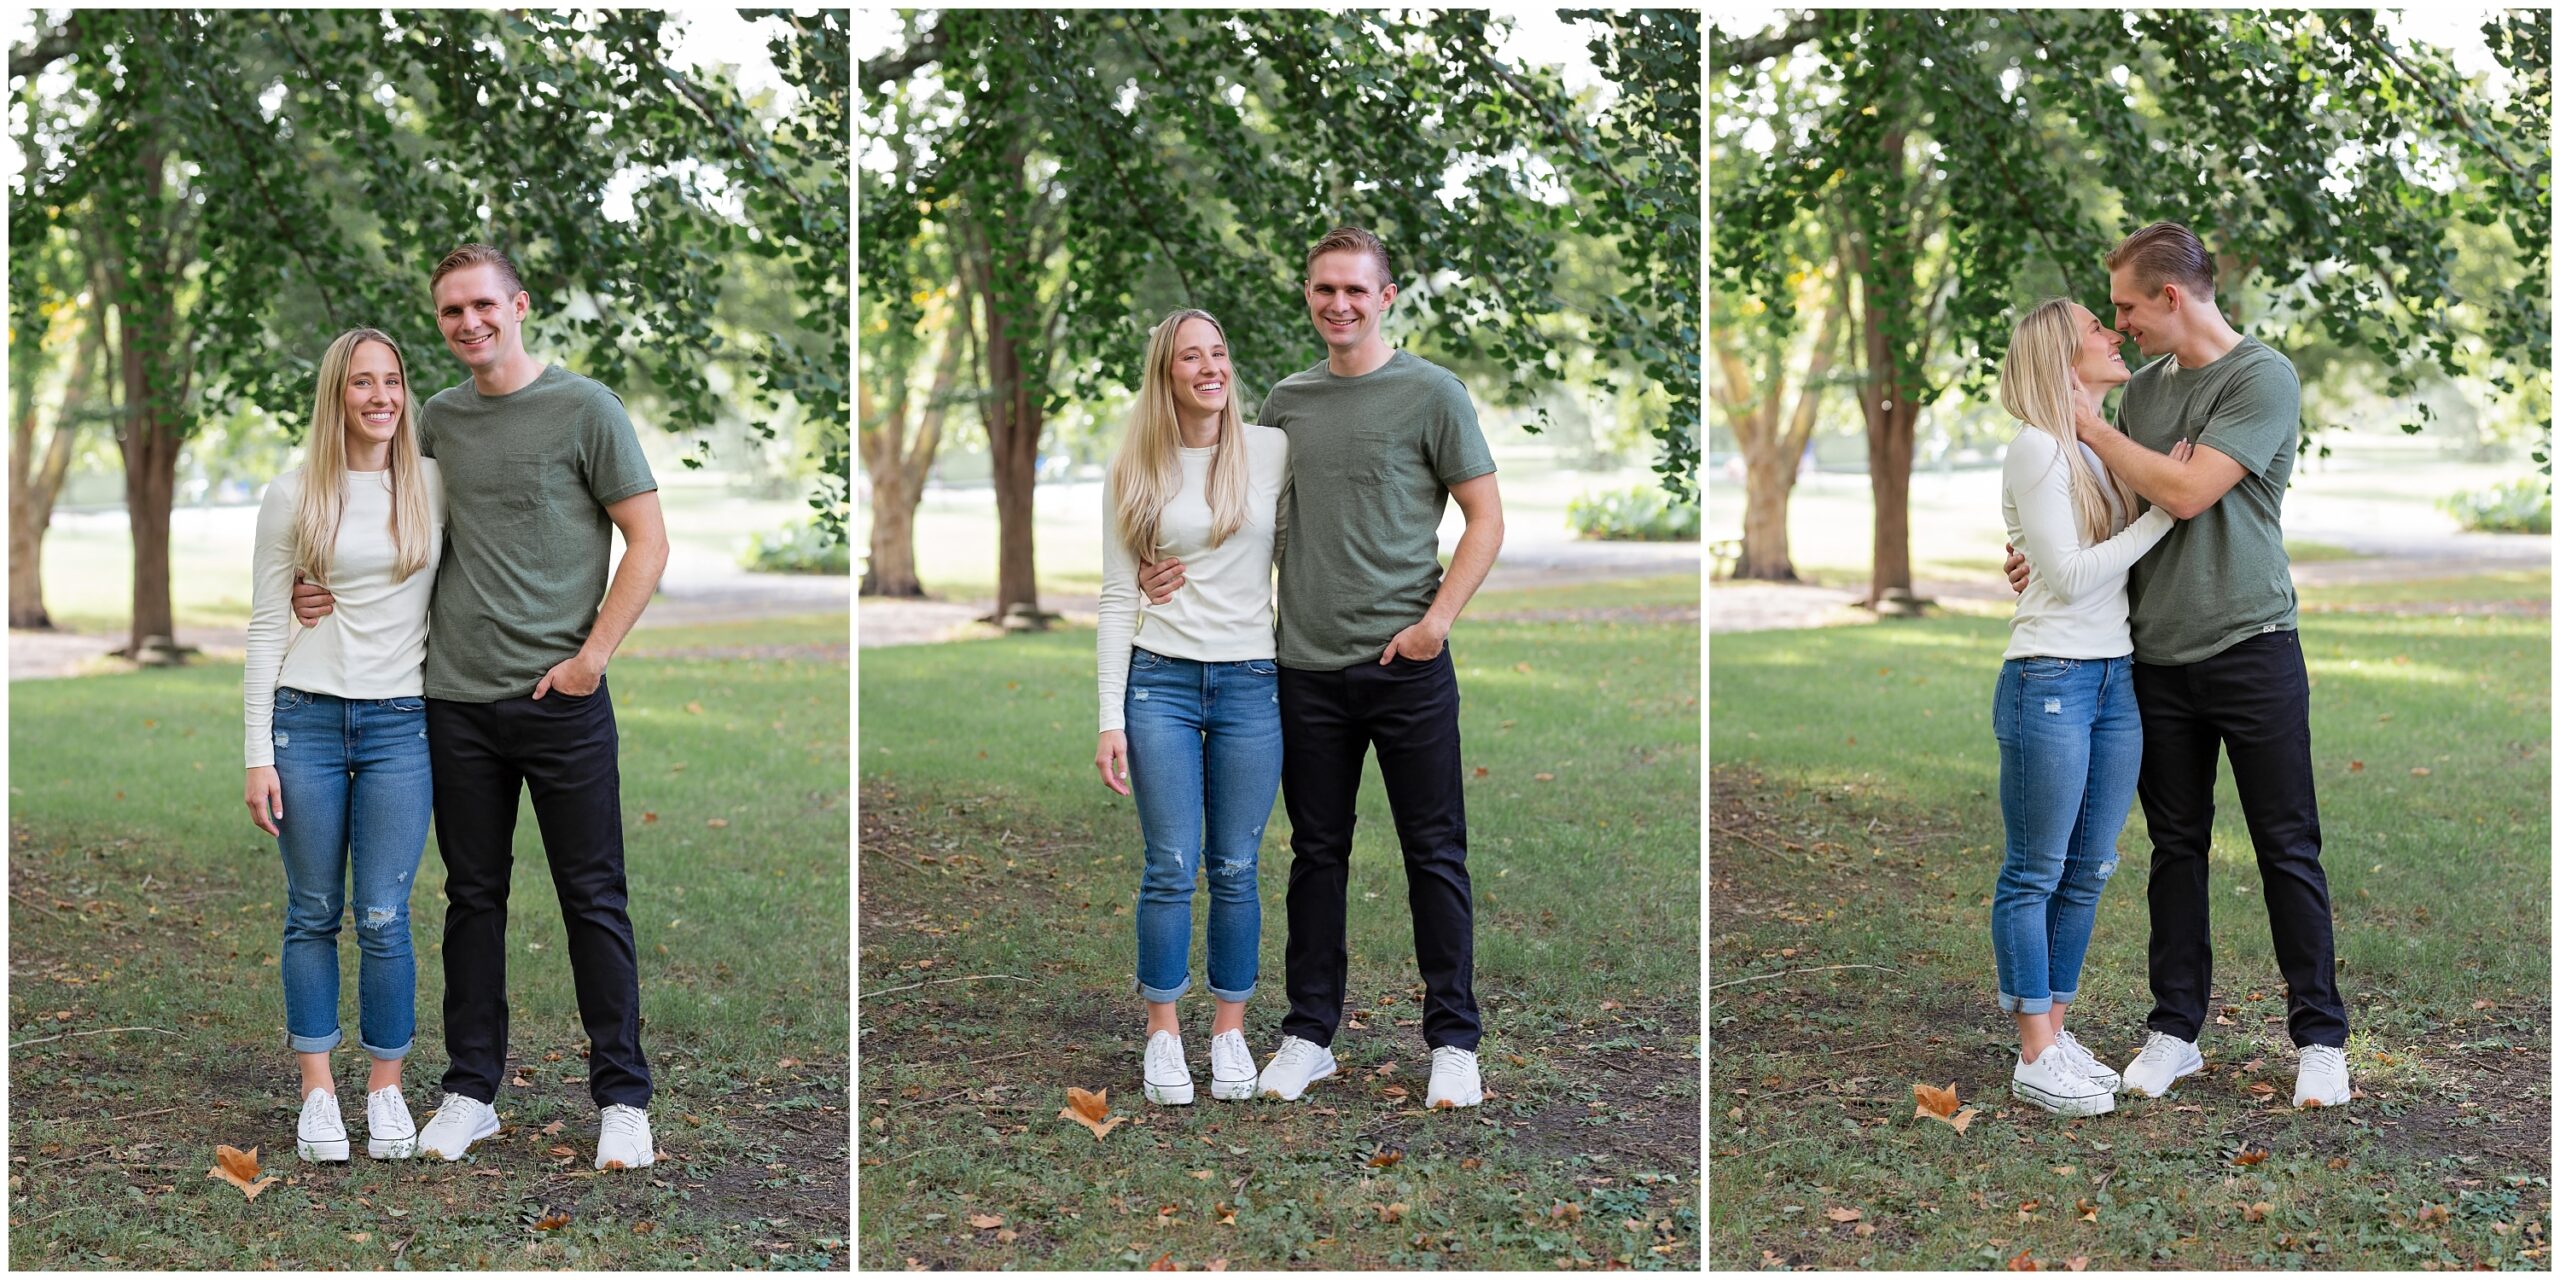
[2099, 359]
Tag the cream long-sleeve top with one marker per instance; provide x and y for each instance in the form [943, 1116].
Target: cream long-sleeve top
[373, 643]
[1222, 610]
[2075, 604]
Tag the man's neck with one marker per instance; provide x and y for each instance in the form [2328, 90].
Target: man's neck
[2212, 343]
[507, 377]
[1359, 361]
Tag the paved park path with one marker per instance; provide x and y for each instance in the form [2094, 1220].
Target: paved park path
[1525, 562]
[697, 588]
[2398, 557]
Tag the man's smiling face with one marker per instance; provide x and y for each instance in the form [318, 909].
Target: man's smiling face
[482, 321]
[1347, 292]
[2150, 318]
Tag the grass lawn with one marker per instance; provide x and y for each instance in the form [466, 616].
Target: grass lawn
[990, 848]
[141, 897]
[1855, 823]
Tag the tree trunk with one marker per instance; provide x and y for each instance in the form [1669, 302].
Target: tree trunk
[34, 484]
[898, 467]
[1015, 380]
[154, 409]
[1889, 450]
[1772, 449]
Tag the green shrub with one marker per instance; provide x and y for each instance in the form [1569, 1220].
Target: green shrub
[1641, 514]
[2521, 506]
[801, 548]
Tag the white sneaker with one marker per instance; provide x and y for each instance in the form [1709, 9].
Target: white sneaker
[457, 1124]
[1454, 1082]
[624, 1142]
[1299, 1063]
[389, 1133]
[2164, 1060]
[1231, 1073]
[2320, 1079]
[1168, 1076]
[2053, 1084]
[2086, 1063]
[322, 1132]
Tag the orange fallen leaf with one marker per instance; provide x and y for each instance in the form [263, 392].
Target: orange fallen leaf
[2256, 1212]
[2355, 766]
[716, 823]
[1392, 1212]
[1470, 1164]
[1394, 1092]
[2433, 1214]
[2080, 1263]
[986, 1221]
[1164, 1263]
[552, 1221]
[1544, 777]
[2088, 1210]
[240, 1169]
[552, 1128]
[1091, 1110]
[787, 1064]
[2250, 1157]
[563, 1151]
[2337, 1164]
[2025, 1261]
[1934, 1101]
[647, 817]
[1386, 1159]
[1226, 1215]
[2420, 771]
[1839, 1214]
[1214, 1264]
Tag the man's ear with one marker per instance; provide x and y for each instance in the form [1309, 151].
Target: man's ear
[1387, 296]
[2172, 296]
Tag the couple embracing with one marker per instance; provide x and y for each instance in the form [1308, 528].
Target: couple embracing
[2147, 643]
[1208, 706]
[448, 569]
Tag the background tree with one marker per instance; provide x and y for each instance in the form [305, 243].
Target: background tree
[1091, 171]
[256, 181]
[2320, 159]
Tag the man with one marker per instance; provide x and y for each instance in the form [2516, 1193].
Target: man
[2217, 663]
[541, 466]
[1380, 441]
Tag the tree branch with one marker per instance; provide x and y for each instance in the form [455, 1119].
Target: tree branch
[1732, 54]
[48, 49]
[906, 62]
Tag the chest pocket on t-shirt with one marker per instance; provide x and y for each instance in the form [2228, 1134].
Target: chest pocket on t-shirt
[1376, 458]
[527, 474]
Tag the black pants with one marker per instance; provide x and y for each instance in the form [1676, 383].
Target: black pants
[564, 748]
[1328, 722]
[2254, 701]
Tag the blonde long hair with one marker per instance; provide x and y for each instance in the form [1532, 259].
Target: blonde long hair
[2035, 387]
[1147, 471]
[324, 468]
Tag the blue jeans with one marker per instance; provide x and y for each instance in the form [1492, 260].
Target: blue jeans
[1204, 762]
[357, 790]
[2070, 756]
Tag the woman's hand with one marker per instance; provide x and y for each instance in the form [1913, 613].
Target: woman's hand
[265, 798]
[1111, 760]
[2182, 450]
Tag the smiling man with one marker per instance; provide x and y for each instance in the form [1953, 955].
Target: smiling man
[2217, 662]
[1380, 441]
[520, 630]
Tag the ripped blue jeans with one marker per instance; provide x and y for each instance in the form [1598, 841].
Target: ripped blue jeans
[1204, 761]
[2070, 756]
[358, 793]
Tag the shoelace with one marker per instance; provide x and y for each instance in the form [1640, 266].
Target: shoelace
[2160, 1047]
[2329, 1056]
[1295, 1053]
[622, 1123]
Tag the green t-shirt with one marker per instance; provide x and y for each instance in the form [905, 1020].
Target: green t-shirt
[527, 477]
[2221, 577]
[1371, 460]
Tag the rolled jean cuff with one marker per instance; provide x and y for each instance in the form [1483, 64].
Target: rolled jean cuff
[2025, 1004]
[1164, 995]
[385, 1055]
[1232, 997]
[315, 1044]
[2066, 997]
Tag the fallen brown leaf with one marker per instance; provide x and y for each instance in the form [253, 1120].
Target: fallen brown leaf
[1090, 1110]
[1387, 1158]
[240, 1169]
[1840, 1214]
[563, 1152]
[1392, 1212]
[2250, 1157]
[986, 1221]
[552, 1221]
[553, 1127]
[1164, 1263]
[2256, 1212]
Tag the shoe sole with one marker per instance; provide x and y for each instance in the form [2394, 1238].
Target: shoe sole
[1232, 1090]
[1302, 1089]
[324, 1152]
[1170, 1095]
[391, 1148]
[2097, 1105]
[2184, 1070]
[1446, 1104]
[645, 1162]
[491, 1131]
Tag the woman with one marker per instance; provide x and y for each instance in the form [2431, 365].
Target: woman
[337, 725]
[2070, 738]
[1190, 691]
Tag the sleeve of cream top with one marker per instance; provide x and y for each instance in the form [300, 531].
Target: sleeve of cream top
[2040, 483]
[1115, 626]
[270, 616]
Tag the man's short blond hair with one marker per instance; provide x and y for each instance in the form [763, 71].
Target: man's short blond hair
[478, 255]
[1352, 240]
[2165, 253]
